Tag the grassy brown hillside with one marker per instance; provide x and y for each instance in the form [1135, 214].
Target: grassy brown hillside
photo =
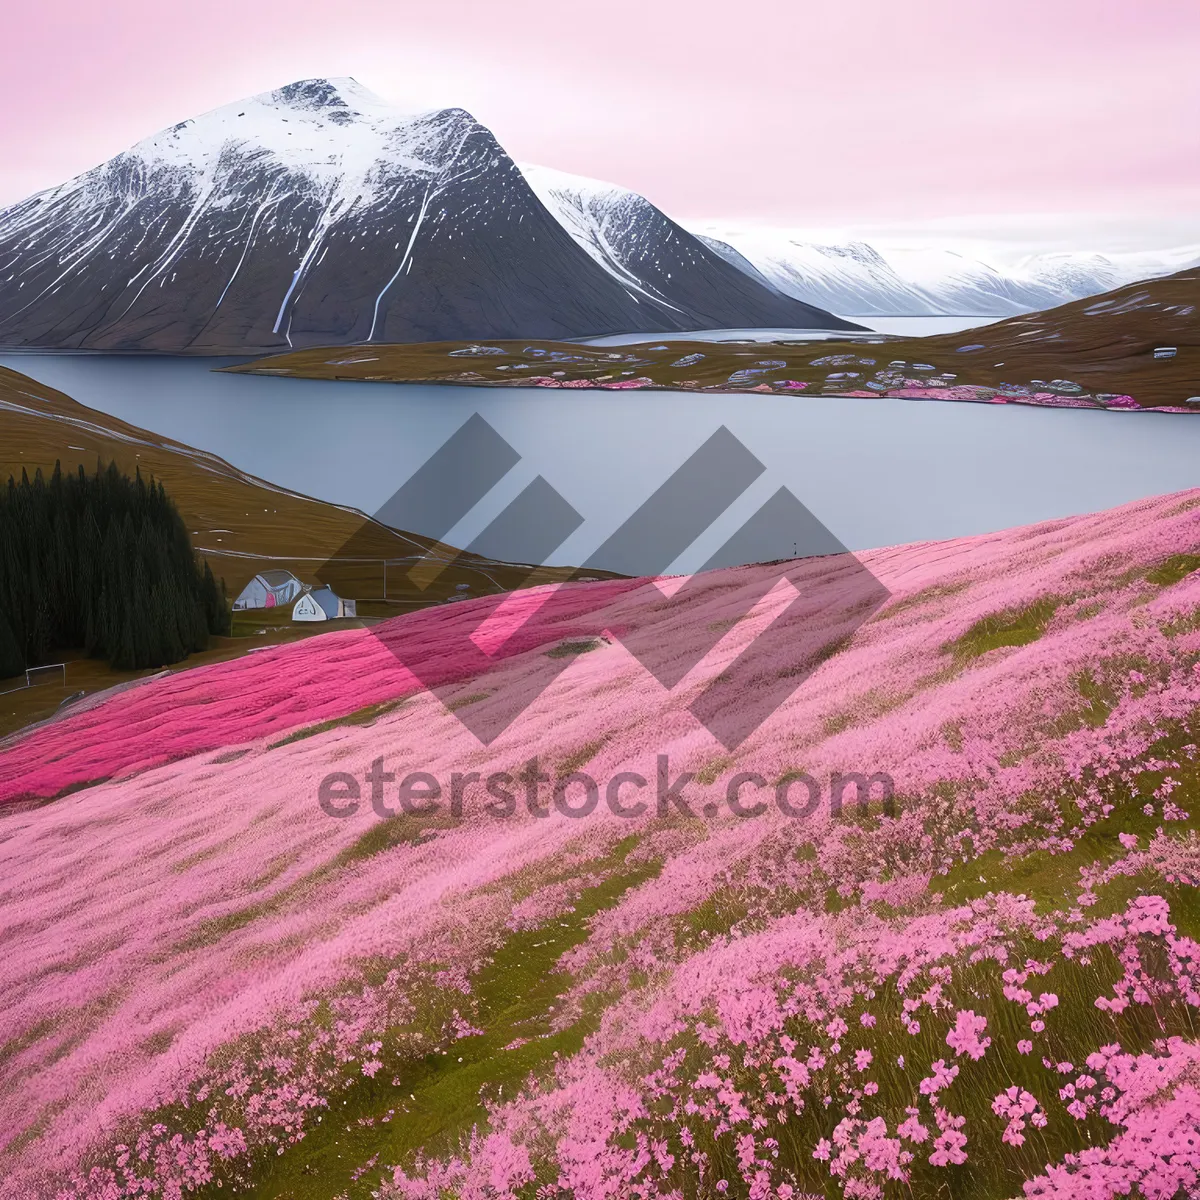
[1097, 353]
[1104, 343]
[240, 524]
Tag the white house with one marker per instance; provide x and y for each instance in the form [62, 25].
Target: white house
[269, 589]
[322, 605]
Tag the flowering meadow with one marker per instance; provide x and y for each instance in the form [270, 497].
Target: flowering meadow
[987, 988]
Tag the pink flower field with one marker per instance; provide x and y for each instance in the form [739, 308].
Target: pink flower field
[969, 967]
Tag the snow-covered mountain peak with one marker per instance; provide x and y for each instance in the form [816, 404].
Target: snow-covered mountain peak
[313, 95]
[319, 128]
[859, 252]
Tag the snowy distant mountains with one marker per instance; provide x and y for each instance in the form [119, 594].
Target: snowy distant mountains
[858, 280]
[317, 214]
[644, 249]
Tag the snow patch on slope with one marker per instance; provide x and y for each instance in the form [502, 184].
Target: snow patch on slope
[601, 217]
[594, 213]
[327, 129]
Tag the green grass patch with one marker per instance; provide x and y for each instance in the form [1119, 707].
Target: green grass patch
[1053, 880]
[870, 706]
[15, 1045]
[724, 625]
[582, 756]
[1186, 623]
[438, 1099]
[1173, 570]
[361, 716]
[1013, 627]
[402, 830]
[716, 916]
[1101, 699]
[81, 786]
[812, 662]
[941, 591]
[571, 649]
[712, 771]
[230, 756]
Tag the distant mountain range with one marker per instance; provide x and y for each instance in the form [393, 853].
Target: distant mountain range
[858, 280]
[317, 214]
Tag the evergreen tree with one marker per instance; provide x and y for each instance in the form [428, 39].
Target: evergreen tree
[12, 661]
[101, 563]
[217, 614]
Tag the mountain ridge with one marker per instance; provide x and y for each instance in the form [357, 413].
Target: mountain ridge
[641, 247]
[297, 217]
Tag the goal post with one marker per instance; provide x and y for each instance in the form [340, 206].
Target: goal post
[52, 673]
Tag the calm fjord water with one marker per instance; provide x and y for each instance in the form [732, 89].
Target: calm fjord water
[875, 471]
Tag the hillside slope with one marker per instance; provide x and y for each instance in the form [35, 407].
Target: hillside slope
[242, 524]
[1104, 344]
[202, 965]
[239, 523]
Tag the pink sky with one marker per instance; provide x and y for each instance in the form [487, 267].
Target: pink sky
[782, 111]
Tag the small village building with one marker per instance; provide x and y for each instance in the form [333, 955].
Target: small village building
[321, 604]
[269, 589]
